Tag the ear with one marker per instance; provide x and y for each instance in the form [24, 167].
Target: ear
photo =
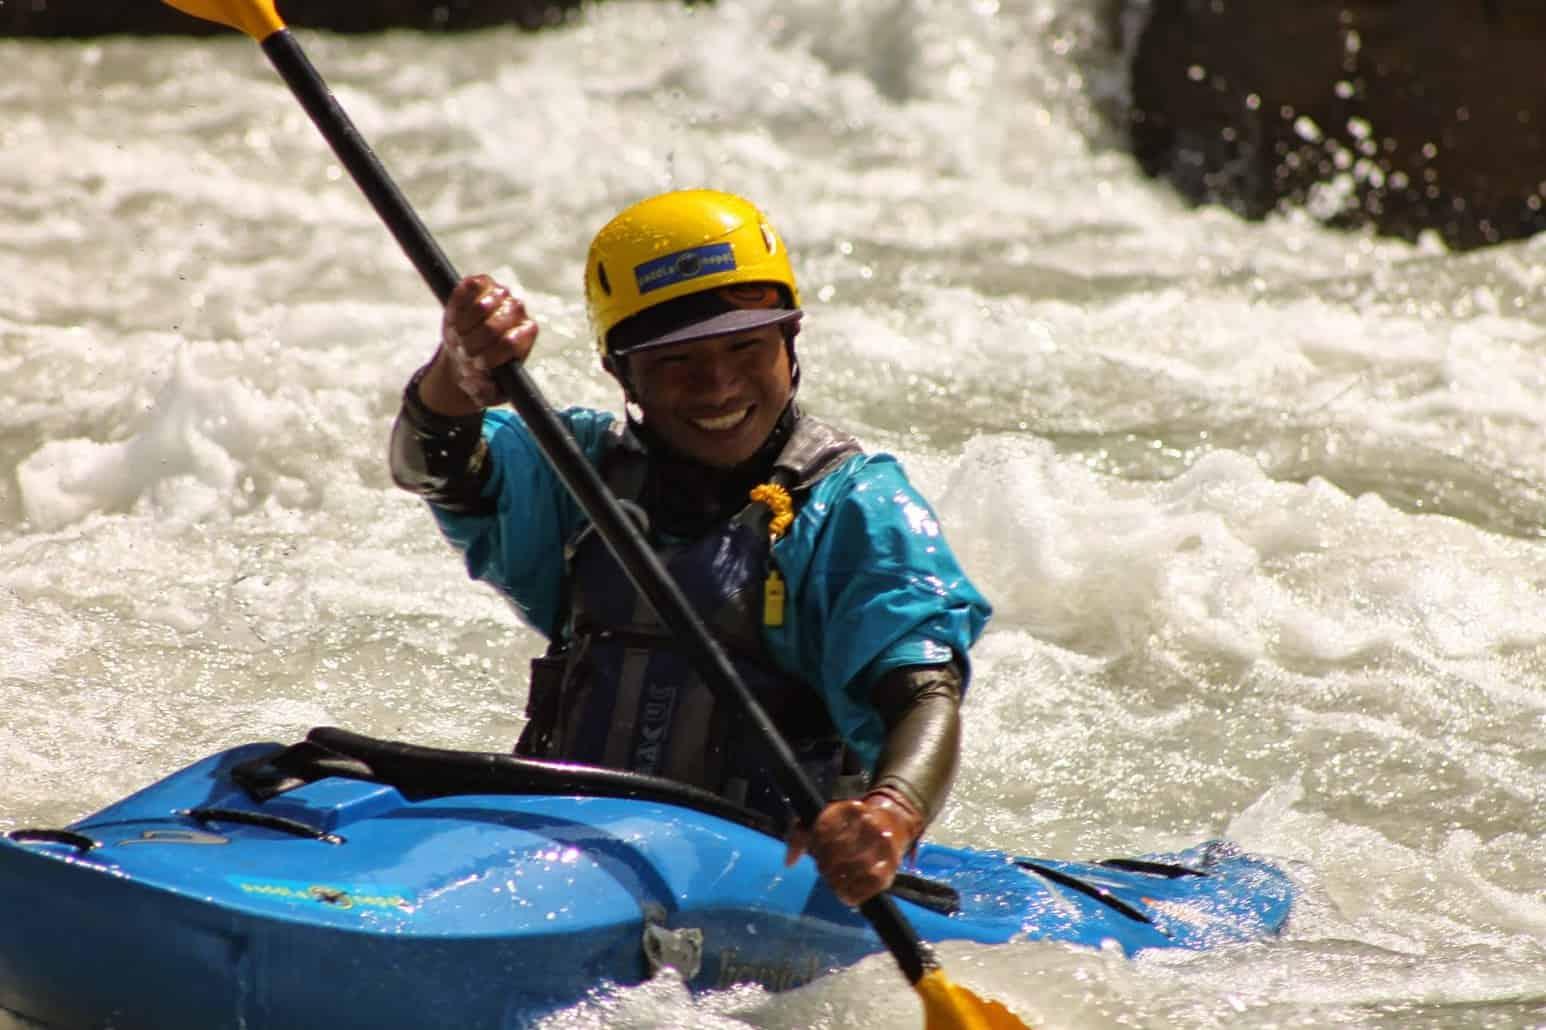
[791, 330]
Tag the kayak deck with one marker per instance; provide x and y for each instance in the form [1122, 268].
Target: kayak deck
[348, 880]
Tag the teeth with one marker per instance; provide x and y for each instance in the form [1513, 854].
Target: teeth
[721, 423]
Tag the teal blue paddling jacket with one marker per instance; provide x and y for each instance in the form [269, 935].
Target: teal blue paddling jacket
[871, 582]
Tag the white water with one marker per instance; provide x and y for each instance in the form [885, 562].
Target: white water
[1260, 505]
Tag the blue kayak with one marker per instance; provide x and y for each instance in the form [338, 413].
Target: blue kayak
[349, 881]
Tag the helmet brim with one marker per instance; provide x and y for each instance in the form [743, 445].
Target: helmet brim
[738, 321]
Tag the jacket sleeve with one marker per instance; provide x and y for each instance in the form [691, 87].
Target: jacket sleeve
[920, 706]
[875, 588]
[497, 500]
[441, 458]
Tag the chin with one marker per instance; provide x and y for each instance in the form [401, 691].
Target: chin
[720, 460]
[726, 455]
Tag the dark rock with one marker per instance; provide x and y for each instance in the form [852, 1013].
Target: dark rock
[1401, 114]
[82, 18]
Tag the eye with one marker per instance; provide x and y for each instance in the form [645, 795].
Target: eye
[761, 342]
[668, 360]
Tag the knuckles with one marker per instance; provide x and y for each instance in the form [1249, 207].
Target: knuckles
[857, 849]
[482, 319]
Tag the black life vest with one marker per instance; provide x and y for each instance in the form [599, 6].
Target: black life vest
[617, 691]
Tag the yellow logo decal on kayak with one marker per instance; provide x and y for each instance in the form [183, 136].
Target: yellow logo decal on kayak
[349, 896]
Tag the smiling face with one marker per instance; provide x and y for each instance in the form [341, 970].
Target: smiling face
[715, 400]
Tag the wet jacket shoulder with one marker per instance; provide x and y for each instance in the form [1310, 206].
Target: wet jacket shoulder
[874, 587]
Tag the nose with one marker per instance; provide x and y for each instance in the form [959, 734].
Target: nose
[714, 377]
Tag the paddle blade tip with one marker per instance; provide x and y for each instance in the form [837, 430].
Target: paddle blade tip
[949, 1006]
[258, 18]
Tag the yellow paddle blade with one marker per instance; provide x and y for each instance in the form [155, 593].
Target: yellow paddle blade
[949, 1006]
[257, 18]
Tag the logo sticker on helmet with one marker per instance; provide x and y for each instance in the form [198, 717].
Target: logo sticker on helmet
[684, 265]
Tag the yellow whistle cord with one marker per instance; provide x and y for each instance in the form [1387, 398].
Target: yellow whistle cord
[779, 503]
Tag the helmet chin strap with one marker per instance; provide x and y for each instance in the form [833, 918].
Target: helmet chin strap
[616, 366]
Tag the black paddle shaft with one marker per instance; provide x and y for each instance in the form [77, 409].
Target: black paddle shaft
[563, 452]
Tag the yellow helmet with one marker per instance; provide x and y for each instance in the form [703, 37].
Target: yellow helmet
[684, 266]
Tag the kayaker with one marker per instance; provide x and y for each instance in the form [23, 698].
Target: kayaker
[821, 569]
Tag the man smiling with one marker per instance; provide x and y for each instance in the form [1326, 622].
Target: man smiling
[819, 568]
